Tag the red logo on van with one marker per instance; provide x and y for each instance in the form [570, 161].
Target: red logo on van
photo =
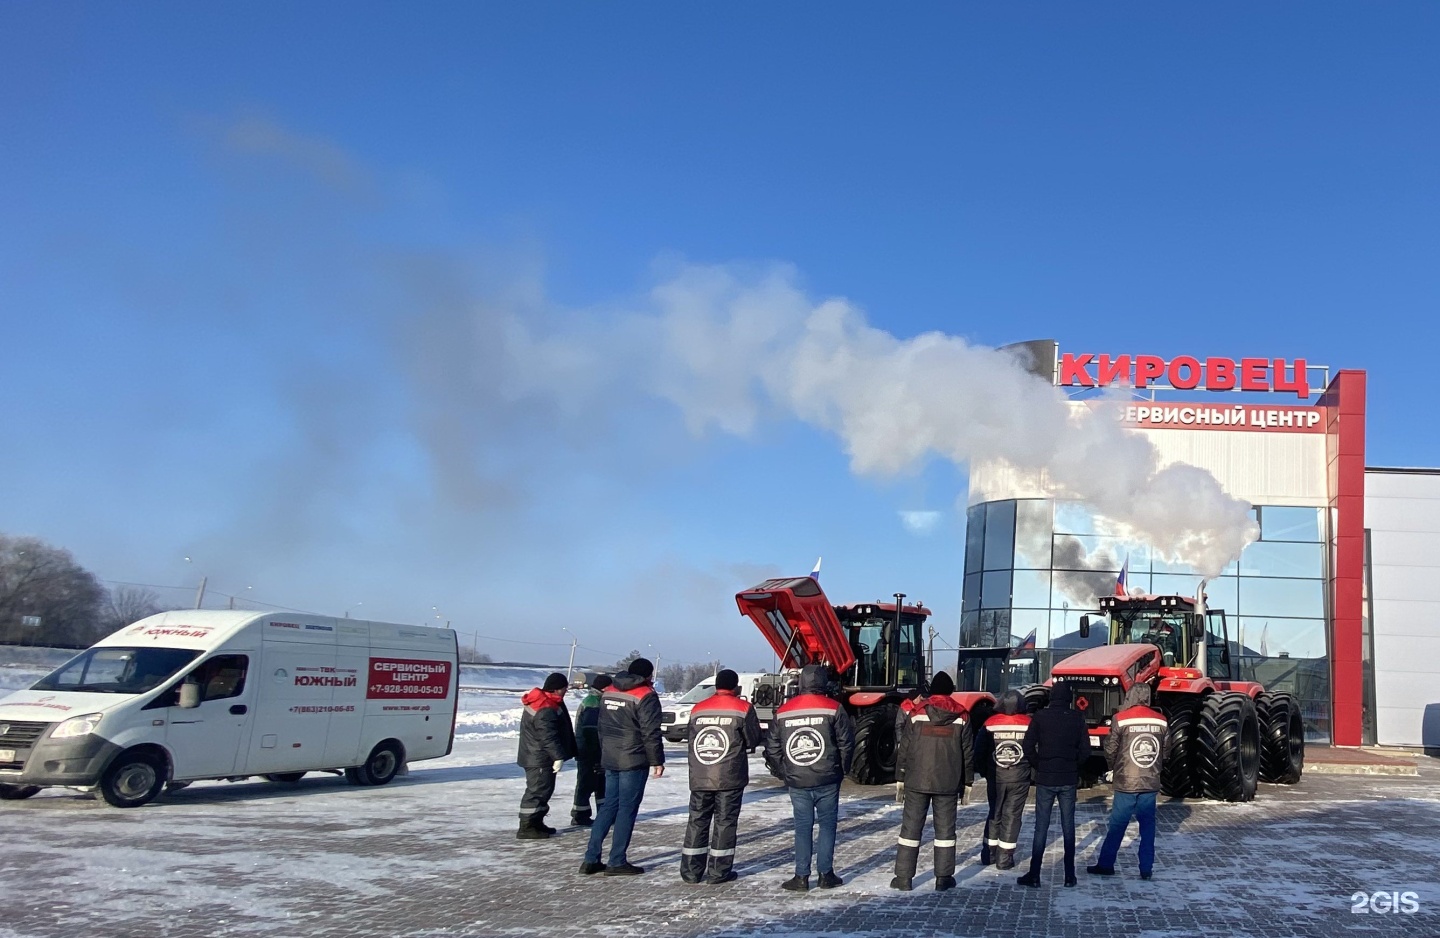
[399, 677]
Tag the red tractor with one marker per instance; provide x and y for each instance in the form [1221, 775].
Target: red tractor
[875, 651]
[1227, 734]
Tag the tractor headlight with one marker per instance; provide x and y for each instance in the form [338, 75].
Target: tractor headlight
[82, 725]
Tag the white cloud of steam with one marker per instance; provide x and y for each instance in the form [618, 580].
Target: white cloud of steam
[731, 346]
[920, 522]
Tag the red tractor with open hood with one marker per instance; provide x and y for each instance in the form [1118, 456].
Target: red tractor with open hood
[875, 651]
[1226, 734]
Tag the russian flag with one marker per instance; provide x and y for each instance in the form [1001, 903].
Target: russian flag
[1120, 580]
[1027, 643]
[815, 574]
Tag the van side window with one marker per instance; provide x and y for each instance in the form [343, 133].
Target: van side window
[222, 676]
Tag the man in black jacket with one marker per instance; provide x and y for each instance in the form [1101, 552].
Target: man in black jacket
[1056, 745]
[1136, 749]
[1009, 775]
[630, 747]
[935, 763]
[809, 748]
[724, 730]
[589, 774]
[546, 741]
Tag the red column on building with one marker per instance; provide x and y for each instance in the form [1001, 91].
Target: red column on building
[1345, 451]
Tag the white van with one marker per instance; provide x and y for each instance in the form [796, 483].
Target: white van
[206, 694]
[675, 717]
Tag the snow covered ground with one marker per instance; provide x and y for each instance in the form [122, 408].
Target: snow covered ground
[434, 854]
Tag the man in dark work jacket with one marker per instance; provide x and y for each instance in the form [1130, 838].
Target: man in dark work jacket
[1056, 745]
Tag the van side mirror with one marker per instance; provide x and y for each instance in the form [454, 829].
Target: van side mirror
[1084, 626]
[189, 695]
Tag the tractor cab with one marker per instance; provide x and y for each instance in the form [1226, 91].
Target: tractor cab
[889, 650]
[1187, 635]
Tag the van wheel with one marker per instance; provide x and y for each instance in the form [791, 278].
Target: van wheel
[133, 779]
[384, 763]
[290, 778]
[17, 792]
[356, 775]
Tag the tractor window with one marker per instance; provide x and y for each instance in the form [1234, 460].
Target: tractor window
[1164, 631]
[1217, 645]
[868, 642]
[909, 655]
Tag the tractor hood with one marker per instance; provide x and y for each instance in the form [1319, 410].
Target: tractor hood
[1127, 662]
[798, 621]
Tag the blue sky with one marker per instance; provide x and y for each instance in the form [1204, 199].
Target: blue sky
[246, 249]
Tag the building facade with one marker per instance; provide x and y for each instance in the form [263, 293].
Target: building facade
[1303, 612]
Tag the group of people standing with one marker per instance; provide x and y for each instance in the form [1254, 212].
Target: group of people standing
[616, 741]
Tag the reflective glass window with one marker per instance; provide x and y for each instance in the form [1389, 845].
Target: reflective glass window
[1161, 565]
[1031, 589]
[995, 589]
[1025, 621]
[1272, 637]
[994, 626]
[1091, 552]
[1281, 523]
[1075, 518]
[970, 629]
[1270, 558]
[999, 536]
[1267, 596]
[1175, 584]
[971, 599]
[1080, 589]
[1223, 593]
[974, 537]
[1033, 533]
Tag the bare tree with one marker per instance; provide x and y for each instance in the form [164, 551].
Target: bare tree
[44, 583]
[126, 604]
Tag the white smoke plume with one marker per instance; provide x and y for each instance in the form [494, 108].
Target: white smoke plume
[731, 347]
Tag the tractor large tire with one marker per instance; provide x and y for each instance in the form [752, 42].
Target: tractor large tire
[1227, 744]
[1037, 697]
[1180, 772]
[1282, 738]
[875, 745]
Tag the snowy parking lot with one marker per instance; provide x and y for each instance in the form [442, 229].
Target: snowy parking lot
[434, 853]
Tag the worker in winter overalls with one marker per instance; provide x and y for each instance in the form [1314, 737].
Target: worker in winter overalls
[589, 775]
[935, 762]
[546, 741]
[1008, 774]
[724, 730]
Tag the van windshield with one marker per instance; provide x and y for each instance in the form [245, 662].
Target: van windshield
[698, 693]
[113, 670]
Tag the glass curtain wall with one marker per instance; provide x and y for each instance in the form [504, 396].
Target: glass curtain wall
[1033, 567]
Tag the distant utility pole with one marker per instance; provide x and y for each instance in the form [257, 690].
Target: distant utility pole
[200, 593]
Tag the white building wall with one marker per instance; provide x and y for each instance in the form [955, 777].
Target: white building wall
[1402, 511]
[1263, 468]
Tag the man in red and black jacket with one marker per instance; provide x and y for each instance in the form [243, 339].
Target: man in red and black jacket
[1007, 773]
[936, 763]
[809, 748]
[546, 740]
[1136, 748]
[630, 748]
[724, 730]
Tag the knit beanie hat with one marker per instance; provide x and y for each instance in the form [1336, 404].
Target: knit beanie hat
[941, 685]
[726, 680]
[641, 667]
[555, 682]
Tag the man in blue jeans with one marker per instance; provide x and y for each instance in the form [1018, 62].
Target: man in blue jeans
[1136, 748]
[1056, 745]
[809, 748]
[630, 748]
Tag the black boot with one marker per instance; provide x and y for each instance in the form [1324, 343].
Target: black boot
[1004, 859]
[529, 830]
[985, 854]
[943, 883]
[901, 883]
[1030, 879]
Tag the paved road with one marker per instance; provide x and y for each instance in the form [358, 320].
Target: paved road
[435, 854]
